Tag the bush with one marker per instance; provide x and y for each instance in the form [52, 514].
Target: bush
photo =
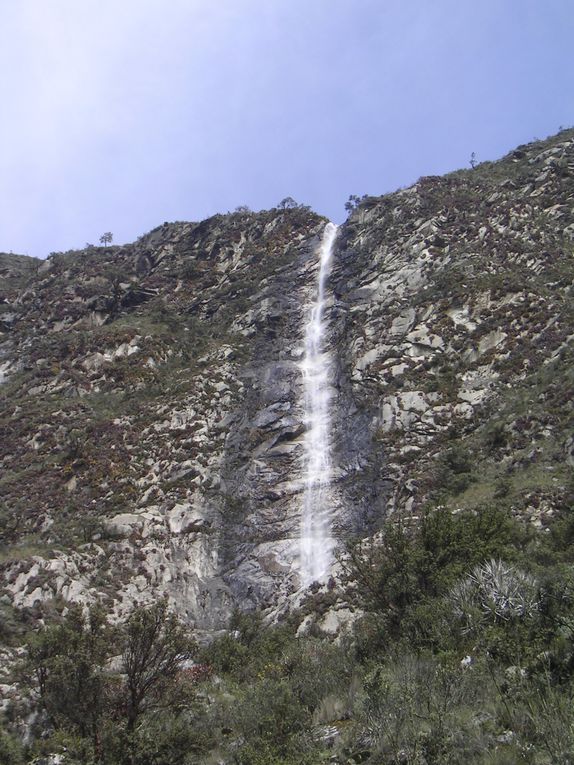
[67, 663]
[409, 564]
[250, 647]
[11, 752]
[495, 592]
[416, 710]
[270, 710]
[454, 472]
[403, 575]
[170, 739]
[105, 714]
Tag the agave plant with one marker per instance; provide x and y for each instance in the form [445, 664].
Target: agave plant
[495, 591]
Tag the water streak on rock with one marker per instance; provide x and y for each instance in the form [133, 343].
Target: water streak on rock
[316, 536]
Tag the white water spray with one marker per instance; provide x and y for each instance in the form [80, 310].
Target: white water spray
[317, 542]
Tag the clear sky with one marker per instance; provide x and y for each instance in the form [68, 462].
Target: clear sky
[120, 114]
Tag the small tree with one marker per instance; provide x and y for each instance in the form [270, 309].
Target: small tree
[69, 666]
[115, 277]
[473, 161]
[67, 661]
[155, 646]
[287, 204]
[352, 203]
[106, 238]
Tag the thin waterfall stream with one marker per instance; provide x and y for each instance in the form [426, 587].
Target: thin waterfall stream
[317, 543]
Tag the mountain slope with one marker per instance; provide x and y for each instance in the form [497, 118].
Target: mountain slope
[455, 314]
[148, 387]
[151, 405]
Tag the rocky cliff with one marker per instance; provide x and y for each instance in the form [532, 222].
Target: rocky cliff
[454, 327]
[151, 394]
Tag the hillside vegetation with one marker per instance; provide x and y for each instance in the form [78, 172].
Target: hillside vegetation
[151, 452]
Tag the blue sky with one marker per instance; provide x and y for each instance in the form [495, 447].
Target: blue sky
[120, 114]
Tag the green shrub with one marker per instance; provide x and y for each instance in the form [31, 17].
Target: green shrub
[170, 739]
[112, 714]
[495, 592]
[266, 753]
[76, 750]
[226, 655]
[416, 710]
[11, 626]
[427, 560]
[11, 752]
[453, 474]
[249, 648]
[495, 436]
[412, 567]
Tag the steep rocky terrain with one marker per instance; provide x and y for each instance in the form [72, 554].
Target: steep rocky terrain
[151, 422]
[455, 324]
[151, 413]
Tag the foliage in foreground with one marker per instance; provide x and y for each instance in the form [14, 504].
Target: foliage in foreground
[135, 713]
[464, 655]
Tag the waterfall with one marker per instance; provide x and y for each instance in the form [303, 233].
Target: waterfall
[317, 542]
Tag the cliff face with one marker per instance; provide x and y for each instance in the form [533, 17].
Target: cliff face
[151, 395]
[455, 307]
[152, 423]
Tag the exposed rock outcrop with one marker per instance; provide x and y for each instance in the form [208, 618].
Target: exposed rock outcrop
[151, 394]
